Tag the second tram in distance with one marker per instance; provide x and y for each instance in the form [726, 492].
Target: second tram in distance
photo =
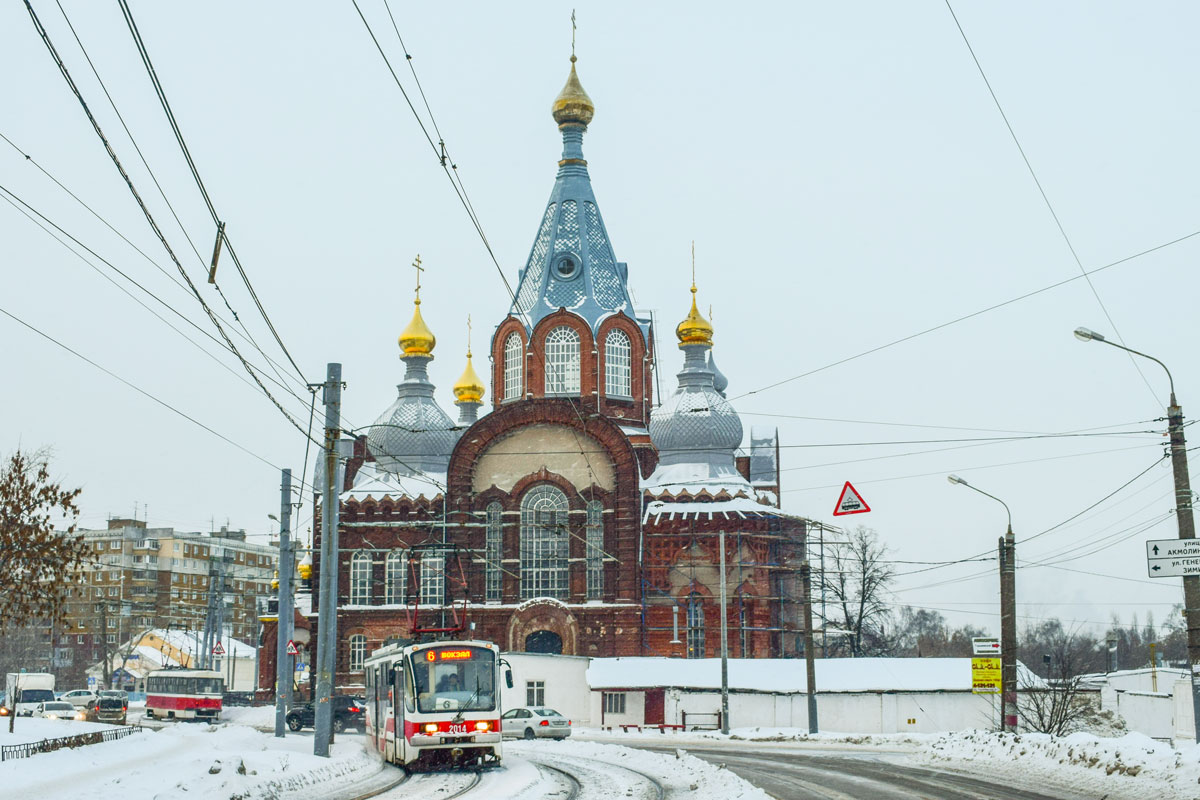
[435, 704]
[180, 693]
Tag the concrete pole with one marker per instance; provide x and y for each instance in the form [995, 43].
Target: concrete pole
[283, 630]
[809, 651]
[1008, 631]
[1187, 530]
[327, 593]
[724, 645]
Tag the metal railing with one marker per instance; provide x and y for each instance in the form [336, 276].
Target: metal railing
[27, 749]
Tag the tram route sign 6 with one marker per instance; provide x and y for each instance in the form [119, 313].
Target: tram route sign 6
[1172, 558]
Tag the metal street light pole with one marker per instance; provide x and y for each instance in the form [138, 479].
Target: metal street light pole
[1008, 616]
[1183, 516]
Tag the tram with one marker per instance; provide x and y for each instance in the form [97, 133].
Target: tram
[180, 693]
[435, 704]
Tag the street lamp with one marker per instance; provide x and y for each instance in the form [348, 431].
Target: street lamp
[1183, 515]
[1008, 616]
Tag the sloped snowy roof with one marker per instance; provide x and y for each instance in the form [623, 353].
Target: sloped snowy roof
[786, 675]
[735, 508]
[370, 481]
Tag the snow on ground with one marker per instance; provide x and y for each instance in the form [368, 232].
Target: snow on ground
[260, 717]
[203, 761]
[1131, 766]
[34, 729]
[893, 742]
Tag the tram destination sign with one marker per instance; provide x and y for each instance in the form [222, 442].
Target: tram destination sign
[1172, 558]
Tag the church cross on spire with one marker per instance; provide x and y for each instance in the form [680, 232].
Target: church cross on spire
[417, 266]
[573, 36]
[468, 335]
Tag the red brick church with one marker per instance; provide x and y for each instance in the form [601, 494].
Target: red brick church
[580, 514]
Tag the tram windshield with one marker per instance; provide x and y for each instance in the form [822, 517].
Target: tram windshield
[455, 678]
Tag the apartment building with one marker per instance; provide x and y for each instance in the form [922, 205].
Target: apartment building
[139, 577]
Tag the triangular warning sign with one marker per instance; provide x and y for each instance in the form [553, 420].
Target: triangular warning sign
[850, 502]
[291, 648]
[218, 650]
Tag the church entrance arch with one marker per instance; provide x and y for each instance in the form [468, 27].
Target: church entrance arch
[544, 642]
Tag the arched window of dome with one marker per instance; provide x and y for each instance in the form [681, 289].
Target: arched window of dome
[562, 361]
[433, 579]
[394, 578]
[358, 652]
[695, 626]
[544, 539]
[595, 550]
[492, 552]
[618, 365]
[514, 367]
[360, 578]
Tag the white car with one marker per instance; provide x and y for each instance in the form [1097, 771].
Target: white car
[534, 722]
[55, 709]
[79, 697]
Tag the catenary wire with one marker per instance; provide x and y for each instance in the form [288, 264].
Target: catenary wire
[1046, 199]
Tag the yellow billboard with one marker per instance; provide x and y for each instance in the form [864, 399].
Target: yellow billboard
[985, 675]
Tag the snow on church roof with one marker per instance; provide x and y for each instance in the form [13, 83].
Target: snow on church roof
[372, 482]
[787, 675]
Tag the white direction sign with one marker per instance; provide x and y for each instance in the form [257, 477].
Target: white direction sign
[1172, 558]
[986, 646]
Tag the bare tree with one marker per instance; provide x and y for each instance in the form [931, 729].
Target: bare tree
[1062, 657]
[856, 578]
[36, 561]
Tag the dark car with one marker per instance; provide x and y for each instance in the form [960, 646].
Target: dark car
[348, 712]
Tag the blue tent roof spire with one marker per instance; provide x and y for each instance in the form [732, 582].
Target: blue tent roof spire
[571, 264]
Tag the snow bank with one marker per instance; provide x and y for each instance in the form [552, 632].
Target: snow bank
[1131, 766]
[260, 717]
[200, 760]
[34, 729]
[797, 736]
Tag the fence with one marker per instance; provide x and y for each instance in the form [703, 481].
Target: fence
[28, 749]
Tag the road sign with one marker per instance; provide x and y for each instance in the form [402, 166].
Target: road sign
[218, 650]
[985, 675]
[292, 649]
[1172, 558]
[850, 502]
[986, 646]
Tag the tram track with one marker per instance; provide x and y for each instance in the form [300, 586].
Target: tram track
[592, 778]
[573, 784]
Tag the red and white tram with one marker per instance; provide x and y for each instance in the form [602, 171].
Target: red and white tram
[176, 693]
[435, 704]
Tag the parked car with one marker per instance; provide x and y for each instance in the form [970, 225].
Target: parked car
[348, 712]
[535, 722]
[55, 709]
[79, 697]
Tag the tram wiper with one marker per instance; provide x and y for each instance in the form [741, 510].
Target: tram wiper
[464, 708]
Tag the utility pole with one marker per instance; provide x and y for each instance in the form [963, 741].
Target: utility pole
[283, 629]
[327, 594]
[724, 646]
[810, 666]
[1008, 631]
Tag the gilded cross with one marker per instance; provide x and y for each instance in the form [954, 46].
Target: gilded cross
[417, 266]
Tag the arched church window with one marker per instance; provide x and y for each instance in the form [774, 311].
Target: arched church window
[595, 550]
[544, 539]
[695, 626]
[360, 578]
[513, 367]
[562, 361]
[492, 552]
[394, 578]
[618, 372]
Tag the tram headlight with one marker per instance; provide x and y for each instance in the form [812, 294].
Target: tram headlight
[431, 727]
[482, 725]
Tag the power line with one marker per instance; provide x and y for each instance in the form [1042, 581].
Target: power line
[146, 212]
[965, 317]
[1046, 198]
[162, 96]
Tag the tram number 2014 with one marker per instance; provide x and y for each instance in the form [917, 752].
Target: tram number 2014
[458, 727]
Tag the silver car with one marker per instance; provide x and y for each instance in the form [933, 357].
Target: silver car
[534, 722]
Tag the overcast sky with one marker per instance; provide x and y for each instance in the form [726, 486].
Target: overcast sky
[842, 168]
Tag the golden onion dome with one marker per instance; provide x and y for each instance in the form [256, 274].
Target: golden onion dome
[573, 104]
[306, 571]
[695, 329]
[468, 388]
[417, 339]
[275, 581]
